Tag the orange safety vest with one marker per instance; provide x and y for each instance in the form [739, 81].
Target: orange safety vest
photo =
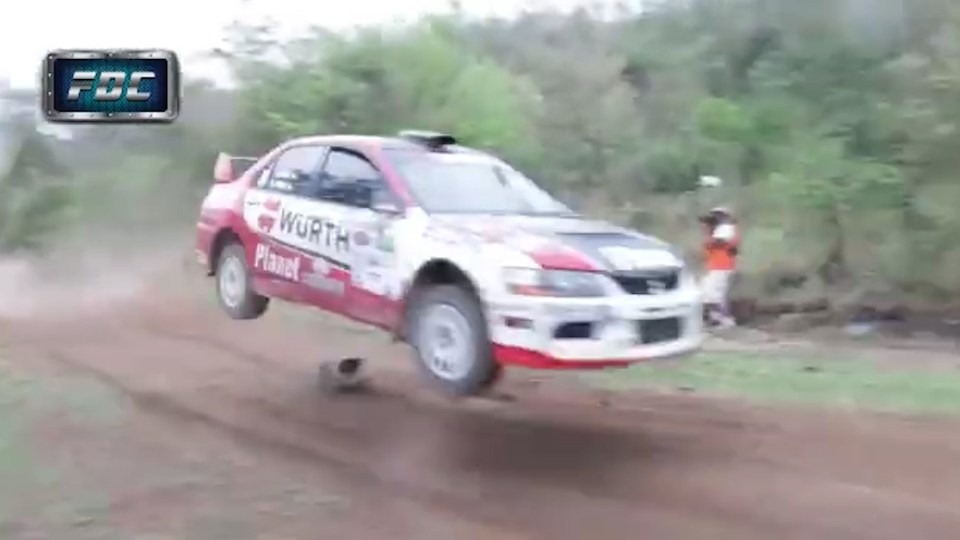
[719, 254]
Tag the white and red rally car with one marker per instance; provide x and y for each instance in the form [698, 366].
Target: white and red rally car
[448, 248]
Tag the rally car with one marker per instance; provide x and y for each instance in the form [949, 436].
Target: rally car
[449, 249]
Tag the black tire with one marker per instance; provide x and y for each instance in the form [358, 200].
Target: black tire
[244, 304]
[477, 371]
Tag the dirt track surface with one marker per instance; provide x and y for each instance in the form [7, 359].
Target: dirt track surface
[223, 435]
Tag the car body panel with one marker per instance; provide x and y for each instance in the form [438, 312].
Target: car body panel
[361, 263]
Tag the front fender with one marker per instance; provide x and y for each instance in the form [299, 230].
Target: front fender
[480, 262]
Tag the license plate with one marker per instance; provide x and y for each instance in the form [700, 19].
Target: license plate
[658, 330]
[578, 313]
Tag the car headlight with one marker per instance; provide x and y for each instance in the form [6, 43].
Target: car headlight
[564, 283]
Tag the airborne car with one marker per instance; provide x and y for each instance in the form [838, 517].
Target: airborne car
[447, 248]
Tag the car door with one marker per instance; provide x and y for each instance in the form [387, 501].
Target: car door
[374, 286]
[288, 229]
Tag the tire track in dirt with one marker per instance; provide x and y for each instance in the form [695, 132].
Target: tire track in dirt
[163, 405]
[283, 416]
[152, 405]
[287, 448]
[550, 465]
[677, 415]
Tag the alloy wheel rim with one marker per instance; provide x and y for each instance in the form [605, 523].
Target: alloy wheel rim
[445, 342]
[232, 281]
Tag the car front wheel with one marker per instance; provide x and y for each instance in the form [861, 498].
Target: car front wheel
[234, 288]
[451, 340]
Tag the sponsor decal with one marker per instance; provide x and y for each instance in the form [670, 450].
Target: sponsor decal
[319, 278]
[266, 220]
[315, 230]
[371, 273]
[266, 259]
[385, 242]
[302, 230]
[361, 238]
[373, 267]
[321, 266]
[324, 283]
[384, 237]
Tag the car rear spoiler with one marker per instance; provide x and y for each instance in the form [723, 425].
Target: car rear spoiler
[228, 168]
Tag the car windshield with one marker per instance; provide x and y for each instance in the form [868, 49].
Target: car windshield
[471, 184]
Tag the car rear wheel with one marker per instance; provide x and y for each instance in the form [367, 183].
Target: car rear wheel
[234, 288]
[449, 335]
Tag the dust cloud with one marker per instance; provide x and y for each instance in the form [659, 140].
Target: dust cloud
[73, 280]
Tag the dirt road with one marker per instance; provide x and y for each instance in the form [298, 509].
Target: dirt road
[221, 434]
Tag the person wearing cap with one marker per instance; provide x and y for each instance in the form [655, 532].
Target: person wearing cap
[721, 248]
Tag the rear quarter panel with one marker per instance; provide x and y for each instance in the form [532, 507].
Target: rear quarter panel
[222, 209]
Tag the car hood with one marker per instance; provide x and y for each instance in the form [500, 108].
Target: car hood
[568, 242]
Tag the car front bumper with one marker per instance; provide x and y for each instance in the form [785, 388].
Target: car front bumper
[585, 333]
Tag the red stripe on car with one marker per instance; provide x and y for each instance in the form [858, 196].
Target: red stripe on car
[560, 258]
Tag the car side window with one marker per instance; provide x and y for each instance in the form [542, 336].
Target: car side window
[295, 170]
[347, 174]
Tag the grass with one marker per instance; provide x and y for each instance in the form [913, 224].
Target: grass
[32, 482]
[826, 382]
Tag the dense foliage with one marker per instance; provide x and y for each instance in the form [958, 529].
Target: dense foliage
[834, 123]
